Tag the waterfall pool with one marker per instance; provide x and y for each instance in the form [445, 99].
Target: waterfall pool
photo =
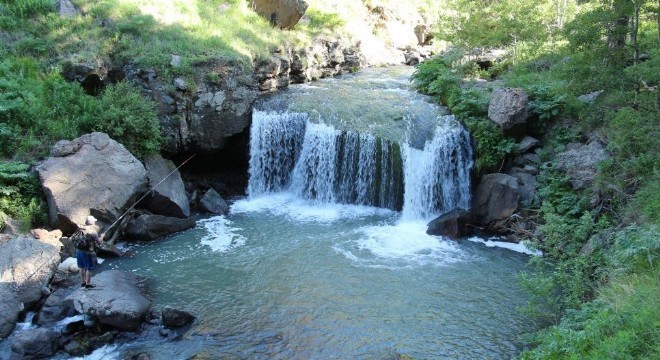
[281, 278]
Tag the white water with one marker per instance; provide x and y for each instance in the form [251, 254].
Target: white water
[331, 166]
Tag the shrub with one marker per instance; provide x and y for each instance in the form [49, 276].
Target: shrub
[125, 115]
[20, 194]
[28, 8]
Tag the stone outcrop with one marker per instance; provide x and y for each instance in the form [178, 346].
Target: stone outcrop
[34, 344]
[214, 203]
[54, 309]
[508, 107]
[26, 267]
[10, 308]
[173, 318]
[526, 144]
[214, 116]
[283, 14]
[92, 174]
[495, 198]
[116, 301]
[151, 227]
[449, 224]
[169, 196]
[579, 162]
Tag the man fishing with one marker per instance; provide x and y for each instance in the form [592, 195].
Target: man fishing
[85, 241]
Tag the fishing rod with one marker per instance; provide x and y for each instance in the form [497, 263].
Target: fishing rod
[147, 193]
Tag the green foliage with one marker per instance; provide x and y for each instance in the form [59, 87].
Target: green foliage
[621, 324]
[20, 194]
[321, 20]
[38, 109]
[127, 116]
[28, 8]
[636, 249]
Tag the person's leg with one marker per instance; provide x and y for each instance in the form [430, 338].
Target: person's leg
[81, 267]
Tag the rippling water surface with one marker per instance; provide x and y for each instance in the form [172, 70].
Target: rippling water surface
[279, 278]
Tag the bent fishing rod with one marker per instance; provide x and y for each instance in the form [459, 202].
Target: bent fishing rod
[147, 193]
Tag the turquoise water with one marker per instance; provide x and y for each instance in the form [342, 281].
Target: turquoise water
[284, 279]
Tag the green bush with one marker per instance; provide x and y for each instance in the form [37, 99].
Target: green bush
[621, 324]
[125, 115]
[20, 194]
[28, 8]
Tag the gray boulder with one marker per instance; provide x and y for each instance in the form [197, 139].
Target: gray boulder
[27, 266]
[34, 344]
[448, 224]
[55, 308]
[10, 308]
[173, 318]
[66, 9]
[284, 14]
[214, 203]
[151, 227]
[116, 301]
[91, 174]
[526, 186]
[508, 107]
[579, 162]
[526, 144]
[495, 198]
[169, 197]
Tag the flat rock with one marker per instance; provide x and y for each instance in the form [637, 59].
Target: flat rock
[151, 227]
[116, 301]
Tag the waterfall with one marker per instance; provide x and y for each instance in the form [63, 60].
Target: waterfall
[438, 177]
[318, 162]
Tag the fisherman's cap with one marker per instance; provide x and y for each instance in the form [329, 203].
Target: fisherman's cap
[91, 219]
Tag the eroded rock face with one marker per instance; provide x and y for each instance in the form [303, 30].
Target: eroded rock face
[579, 162]
[495, 198]
[508, 107]
[34, 344]
[27, 265]
[284, 14]
[151, 227]
[92, 174]
[169, 196]
[116, 301]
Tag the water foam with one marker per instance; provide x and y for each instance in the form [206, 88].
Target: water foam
[520, 247]
[404, 244]
[220, 235]
[297, 209]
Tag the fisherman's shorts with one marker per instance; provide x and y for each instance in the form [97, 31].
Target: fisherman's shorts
[85, 260]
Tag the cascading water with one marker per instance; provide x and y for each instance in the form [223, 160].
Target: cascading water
[353, 168]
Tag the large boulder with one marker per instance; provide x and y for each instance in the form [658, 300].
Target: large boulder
[214, 203]
[27, 266]
[449, 224]
[151, 227]
[579, 162]
[34, 344]
[284, 14]
[10, 308]
[91, 174]
[116, 301]
[55, 308]
[508, 107]
[495, 198]
[168, 194]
